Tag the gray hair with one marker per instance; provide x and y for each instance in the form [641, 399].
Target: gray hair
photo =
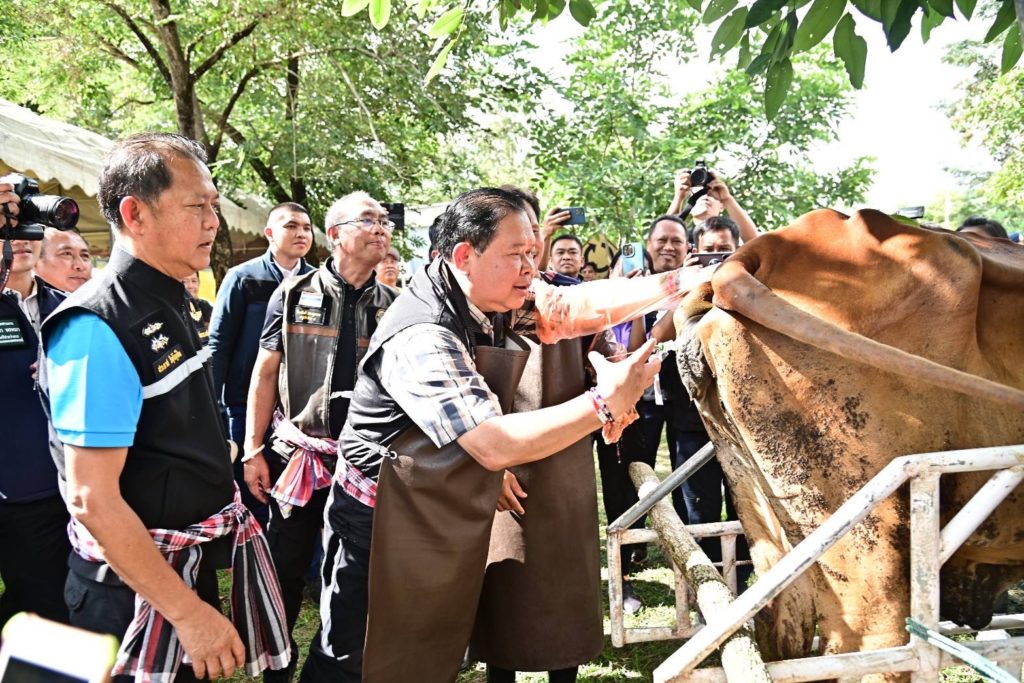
[341, 209]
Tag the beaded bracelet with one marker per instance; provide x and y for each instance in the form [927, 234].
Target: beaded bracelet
[600, 407]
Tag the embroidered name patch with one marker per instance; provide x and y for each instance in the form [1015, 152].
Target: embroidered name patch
[10, 333]
[168, 360]
[306, 315]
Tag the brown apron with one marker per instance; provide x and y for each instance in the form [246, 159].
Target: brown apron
[431, 527]
[540, 609]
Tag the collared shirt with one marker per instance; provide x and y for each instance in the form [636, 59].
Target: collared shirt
[287, 272]
[29, 305]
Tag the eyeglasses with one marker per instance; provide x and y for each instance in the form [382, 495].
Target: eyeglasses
[368, 223]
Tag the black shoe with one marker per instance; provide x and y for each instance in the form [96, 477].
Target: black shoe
[630, 603]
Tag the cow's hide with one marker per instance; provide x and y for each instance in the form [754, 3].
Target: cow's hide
[798, 429]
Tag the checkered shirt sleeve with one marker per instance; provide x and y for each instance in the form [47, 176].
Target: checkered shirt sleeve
[428, 371]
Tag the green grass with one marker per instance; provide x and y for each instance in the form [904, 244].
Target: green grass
[653, 584]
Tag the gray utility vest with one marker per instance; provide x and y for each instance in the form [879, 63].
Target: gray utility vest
[314, 304]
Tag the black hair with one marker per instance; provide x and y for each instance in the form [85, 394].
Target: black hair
[717, 223]
[568, 236]
[137, 166]
[666, 217]
[473, 217]
[432, 232]
[291, 206]
[525, 196]
[988, 226]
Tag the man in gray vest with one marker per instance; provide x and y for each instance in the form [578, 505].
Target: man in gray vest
[317, 328]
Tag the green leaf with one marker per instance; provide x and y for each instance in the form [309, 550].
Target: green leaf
[582, 11]
[555, 8]
[852, 49]
[729, 32]
[896, 31]
[447, 23]
[758, 64]
[784, 47]
[1004, 18]
[818, 23]
[1011, 49]
[870, 8]
[929, 22]
[780, 76]
[351, 8]
[943, 7]
[380, 12]
[718, 9]
[541, 12]
[439, 62]
[761, 11]
[743, 60]
[695, 4]
[966, 7]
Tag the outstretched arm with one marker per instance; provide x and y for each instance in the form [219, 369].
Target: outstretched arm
[566, 312]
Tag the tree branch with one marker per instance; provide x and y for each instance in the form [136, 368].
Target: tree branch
[265, 173]
[118, 53]
[228, 43]
[151, 50]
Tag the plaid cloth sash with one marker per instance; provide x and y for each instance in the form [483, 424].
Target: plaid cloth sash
[150, 650]
[305, 471]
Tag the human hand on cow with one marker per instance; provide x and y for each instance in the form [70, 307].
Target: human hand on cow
[9, 202]
[622, 384]
[511, 492]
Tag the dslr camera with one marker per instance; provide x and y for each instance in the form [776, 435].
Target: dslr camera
[700, 175]
[36, 211]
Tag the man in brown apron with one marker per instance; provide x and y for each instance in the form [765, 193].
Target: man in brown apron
[427, 418]
[527, 619]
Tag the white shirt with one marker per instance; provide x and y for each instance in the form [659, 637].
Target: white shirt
[29, 305]
[287, 273]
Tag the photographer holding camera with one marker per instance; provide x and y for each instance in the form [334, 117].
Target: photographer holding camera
[711, 199]
[33, 540]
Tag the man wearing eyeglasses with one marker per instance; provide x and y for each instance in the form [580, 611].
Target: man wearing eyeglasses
[317, 328]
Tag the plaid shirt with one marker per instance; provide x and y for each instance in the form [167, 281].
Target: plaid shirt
[150, 650]
[305, 471]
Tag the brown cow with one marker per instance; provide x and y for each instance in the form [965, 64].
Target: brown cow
[798, 429]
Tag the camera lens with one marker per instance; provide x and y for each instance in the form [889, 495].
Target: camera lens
[699, 176]
[59, 212]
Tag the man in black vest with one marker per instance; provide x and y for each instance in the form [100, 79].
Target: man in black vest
[421, 379]
[33, 518]
[154, 508]
[318, 327]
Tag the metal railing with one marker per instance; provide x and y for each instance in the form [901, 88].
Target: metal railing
[930, 547]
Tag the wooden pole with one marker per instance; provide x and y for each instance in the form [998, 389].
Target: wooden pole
[741, 659]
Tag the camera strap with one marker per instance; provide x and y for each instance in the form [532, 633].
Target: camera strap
[688, 207]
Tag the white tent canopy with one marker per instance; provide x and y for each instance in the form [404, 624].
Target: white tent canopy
[67, 160]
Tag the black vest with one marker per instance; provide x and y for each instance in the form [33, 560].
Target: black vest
[373, 416]
[178, 471]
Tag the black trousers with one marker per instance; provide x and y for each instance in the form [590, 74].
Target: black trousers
[108, 608]
[617, 490]
[34, 558]
[336, 653]
[293, 542]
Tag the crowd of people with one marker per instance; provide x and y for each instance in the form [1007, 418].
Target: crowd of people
[426, 451]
